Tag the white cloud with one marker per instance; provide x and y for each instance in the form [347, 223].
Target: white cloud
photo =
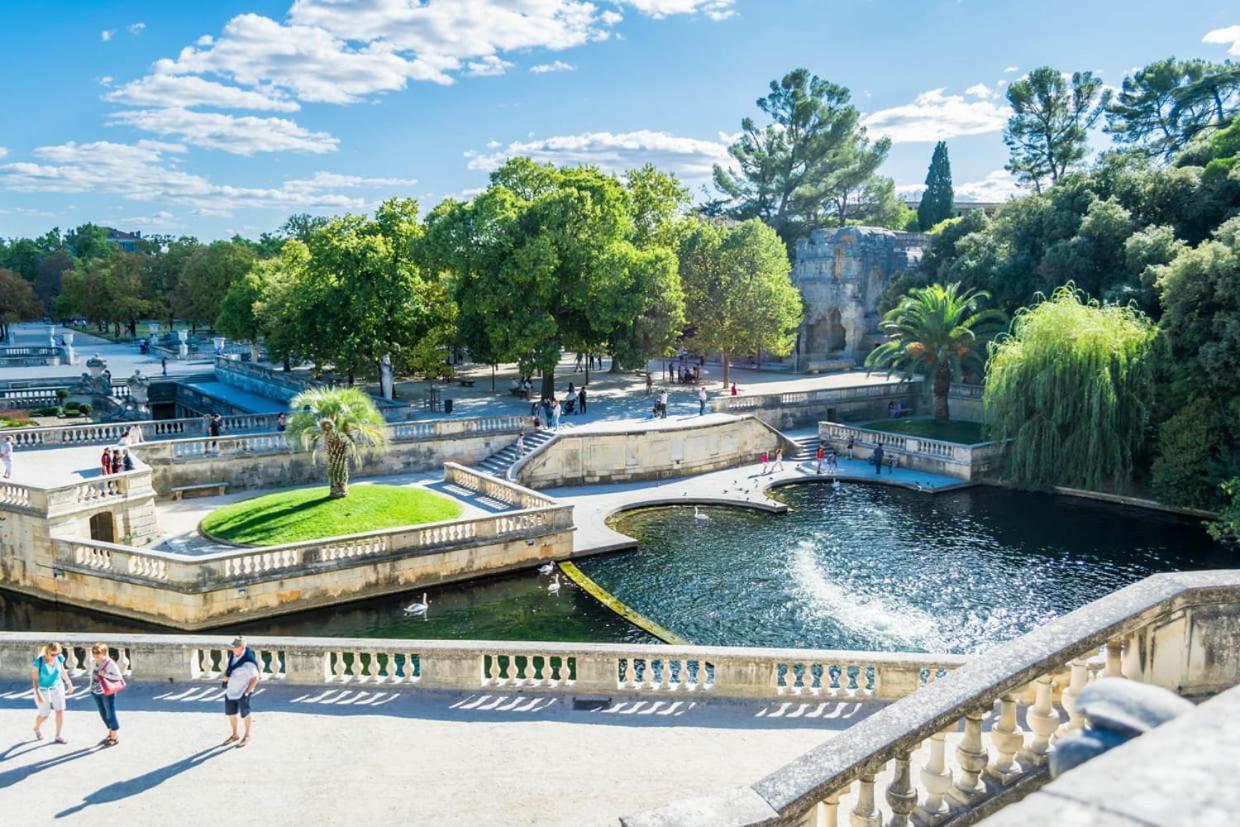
[1011, 69]
[487, 67]
[934, 116]
[980, 90]
[1223, 37]
[106, 80]
[689, 158]
[136, 28]
[3, 151]
[190, 90]
[241, 135]
[714, 9]
[29, 211]
[159, 220]
[333, 180]
[106, 34]
[997, 186]
[147, 171]
[553, 66]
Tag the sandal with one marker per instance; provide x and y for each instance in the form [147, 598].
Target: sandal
[38, 736]
[243, 742]
[60, 740]
[229, 740]
[110, 741]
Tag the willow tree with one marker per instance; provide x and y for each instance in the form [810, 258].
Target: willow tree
[343, 422]
[938, 331]
[1072, 386]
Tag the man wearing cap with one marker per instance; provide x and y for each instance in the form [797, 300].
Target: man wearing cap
[239, 680]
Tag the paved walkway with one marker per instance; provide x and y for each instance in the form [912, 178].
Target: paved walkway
[52, 468]
[348, 756]
[122, 359]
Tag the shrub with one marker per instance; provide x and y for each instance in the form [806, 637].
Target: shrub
[62, 394]
[49, 410]
[84, 408]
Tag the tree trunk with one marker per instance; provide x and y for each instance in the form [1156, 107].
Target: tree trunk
[548, 383]
[615, 364]
[337, 467]
[942, 384]
[723, 357]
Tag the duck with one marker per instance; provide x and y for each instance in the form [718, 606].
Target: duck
[418, 608]
[546, 568]
[554, 586]
[698, 515]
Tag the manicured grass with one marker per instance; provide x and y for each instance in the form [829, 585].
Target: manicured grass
[309, 514]
[967, 433]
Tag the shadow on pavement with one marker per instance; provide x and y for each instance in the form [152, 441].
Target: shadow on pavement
[143, 783]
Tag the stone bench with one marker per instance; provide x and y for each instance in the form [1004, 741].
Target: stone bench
[180, 491]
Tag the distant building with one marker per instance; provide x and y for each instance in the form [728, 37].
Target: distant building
[127, 242]
[964, 207]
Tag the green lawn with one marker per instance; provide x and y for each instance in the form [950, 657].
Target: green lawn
[309, 514]
[967, 433]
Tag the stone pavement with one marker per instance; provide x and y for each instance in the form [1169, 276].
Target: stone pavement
[52, 468]
[122, 359]
[377, 756]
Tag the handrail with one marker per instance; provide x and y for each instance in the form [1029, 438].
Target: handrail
[630, 669]
[1173, 630]
[728, 404]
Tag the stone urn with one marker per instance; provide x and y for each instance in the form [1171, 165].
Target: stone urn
[183, 349]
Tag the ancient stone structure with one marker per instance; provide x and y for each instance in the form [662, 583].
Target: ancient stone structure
[841, 274]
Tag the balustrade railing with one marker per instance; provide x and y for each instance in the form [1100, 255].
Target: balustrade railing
[824, 396]
[896, 767]
[956, 452]
[611, 669]
[494, 488]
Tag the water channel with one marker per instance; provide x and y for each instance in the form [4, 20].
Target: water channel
[854, 567]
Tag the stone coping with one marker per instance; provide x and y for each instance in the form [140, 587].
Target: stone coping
[903, 726]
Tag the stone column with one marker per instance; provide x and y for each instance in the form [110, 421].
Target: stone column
[387, 377]
[183, 350]
[70, 353]
[51, 335]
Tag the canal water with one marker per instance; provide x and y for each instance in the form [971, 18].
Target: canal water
[854, 567]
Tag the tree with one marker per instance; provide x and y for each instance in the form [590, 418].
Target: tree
[238, 317]
[344, 423]
[1072, 387]
[938, 331]
[17, 302]
[1227, 528]
[808, 160]
[89, 241]
[545, 259]
[738, 297]
[1147, 113]
[105, 290]
[1050, 122]
[938, 201]
[205, 278]
[1217, 90]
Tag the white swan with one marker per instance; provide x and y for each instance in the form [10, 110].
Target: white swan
[698, 515]
[835, 483]
[418, 608]
[554, 585]
[546, 568]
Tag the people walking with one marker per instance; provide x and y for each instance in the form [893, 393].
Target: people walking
[877, 459]
[850, 447]
[649, 382]
[105, 681]
[118, 464]
[833, 464]
[701, 397]
[6, 455]
[821, 454]
[779, 459]
[521, 443]
[163, 363]
[734, 390]
[555, 414]
[214, 428]
[51, 683]
[240, 678]
[105, 461]
[581, 399]
[126, 460]
[766, 460]
[663, 404]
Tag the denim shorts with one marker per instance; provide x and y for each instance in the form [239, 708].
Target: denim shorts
[237, 706]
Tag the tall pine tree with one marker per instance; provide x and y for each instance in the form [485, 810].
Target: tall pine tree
[938, 201]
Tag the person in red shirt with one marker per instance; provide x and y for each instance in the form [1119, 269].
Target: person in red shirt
[822, 454]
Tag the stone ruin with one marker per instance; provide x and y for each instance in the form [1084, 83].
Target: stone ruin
[841, 273]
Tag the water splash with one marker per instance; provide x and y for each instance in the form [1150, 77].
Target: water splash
[857, 610]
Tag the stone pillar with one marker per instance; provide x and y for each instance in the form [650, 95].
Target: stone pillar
[387, 377]
[51, 335]
[183, 350]
[70, 353]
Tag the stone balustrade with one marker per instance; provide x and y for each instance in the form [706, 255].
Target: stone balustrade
[895, 767]
[495, 488]
[824, 396]
[965, 462]
[580, 668]
[110, 433]
[77, 495]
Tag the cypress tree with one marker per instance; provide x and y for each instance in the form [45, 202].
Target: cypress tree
[938, 201]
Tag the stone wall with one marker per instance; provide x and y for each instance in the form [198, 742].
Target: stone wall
[964, 462]
[795, 409]
[648, 453]
[841, 273]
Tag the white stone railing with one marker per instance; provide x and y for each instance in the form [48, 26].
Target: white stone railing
[495, 488]
[207, 572]
[972, 459]
[546, 667]
[821, 396]
[1172, 630]
[109, 433]
[77, 495]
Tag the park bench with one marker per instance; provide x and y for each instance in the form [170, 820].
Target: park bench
[180, 491]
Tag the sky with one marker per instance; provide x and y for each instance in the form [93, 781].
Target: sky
[225, 117]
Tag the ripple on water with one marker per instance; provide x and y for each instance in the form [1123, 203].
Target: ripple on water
[865, 567]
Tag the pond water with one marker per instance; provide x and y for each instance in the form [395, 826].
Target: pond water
[858, 567]
[877, 568]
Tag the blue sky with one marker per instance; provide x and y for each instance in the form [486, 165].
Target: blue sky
[222, 117]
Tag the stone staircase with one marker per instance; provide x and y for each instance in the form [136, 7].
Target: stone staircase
[807, 447]
[497, 464]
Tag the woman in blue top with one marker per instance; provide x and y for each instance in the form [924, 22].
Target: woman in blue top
[51, 684]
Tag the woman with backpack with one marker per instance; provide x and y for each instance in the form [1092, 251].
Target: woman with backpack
[105, 681]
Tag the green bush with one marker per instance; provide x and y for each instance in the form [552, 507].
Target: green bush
[84, 409]
[62, 394]
[49, 410]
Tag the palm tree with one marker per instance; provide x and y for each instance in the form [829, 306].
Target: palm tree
[344, 422]
[937, 331]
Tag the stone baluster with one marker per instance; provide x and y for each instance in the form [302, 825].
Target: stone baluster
[937, 780]
[1043, 720]
[1115, 651]
[827, 811]
[1079, 668]
[204, 663]
[901, 794]
[372, 668]
[1007, 739]
[971, 757]
[338, 667]
[864, 813]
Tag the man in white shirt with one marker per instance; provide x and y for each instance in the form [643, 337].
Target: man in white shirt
[6, 455]
[239, 679]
